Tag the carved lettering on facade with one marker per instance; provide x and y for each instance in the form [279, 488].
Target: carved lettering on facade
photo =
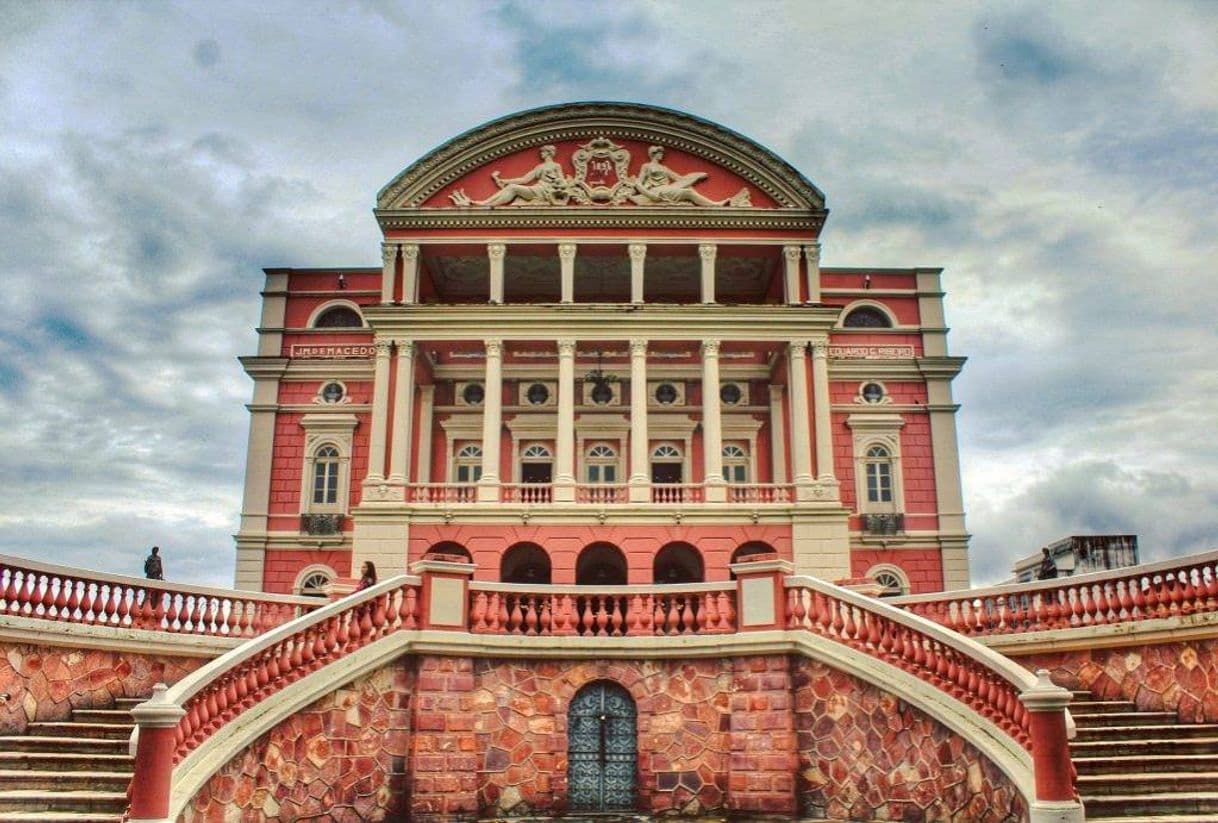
[341, 351]
[871, 352]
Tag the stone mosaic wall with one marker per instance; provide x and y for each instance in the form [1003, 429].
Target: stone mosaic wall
[866, 755]
[1179, 677]
[344, 758]
[47, 682]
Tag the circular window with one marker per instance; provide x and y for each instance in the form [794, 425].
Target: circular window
[537, 395]
[666, 394]
[873, 392]
[601, 393]
[332, 392]
[730, 394]
[473, 394]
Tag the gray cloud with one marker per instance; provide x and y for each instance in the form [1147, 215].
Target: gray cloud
[207, 53]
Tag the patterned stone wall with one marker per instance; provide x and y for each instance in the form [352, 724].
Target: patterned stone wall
[445, 753]
[763, 738]
[1179, 677]
[866, 755]
[47, 682]
[344, 758]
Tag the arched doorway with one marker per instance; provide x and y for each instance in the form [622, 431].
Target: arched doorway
[677, 563]
[600, 564]
[602, 746]
[448, 550]
[525, 563]
[752, 550]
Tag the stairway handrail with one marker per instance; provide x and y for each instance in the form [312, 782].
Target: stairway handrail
[1168, 588]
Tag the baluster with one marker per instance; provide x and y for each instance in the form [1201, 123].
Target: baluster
[659, 620]
[61, 599]
[503, 612]
[409, 603]
[602, 614]
[647, 623]
[514, 616]
[710, 612]
[635, 618]
[478, 612]
[529, 613]
[727, 609]
[1211, 587]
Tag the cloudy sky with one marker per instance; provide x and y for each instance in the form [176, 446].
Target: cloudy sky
[1060, 161]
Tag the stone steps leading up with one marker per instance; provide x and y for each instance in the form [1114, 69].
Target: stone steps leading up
[42, 800]
[80, 780]
[1143, 766]
[109, 731]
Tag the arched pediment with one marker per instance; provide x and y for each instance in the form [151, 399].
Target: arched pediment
[607, 155]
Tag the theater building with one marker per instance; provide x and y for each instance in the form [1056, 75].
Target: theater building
[602, 349]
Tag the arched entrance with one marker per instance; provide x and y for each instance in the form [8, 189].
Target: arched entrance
[602, 745]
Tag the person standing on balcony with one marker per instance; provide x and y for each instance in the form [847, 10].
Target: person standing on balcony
[153, 569]
[1048, 569]
[367, 576]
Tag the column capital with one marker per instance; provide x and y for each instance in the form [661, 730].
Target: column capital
[496, 251]
[383, 348]
[405, 346]
[638, 251]
[710, 348]
[707, 251]
[797, 348]
[410, 251]
[494, 347]
[389, 252]
[812, 252]
[791, 253]
[638, 346]
[820, 347]
[566, 347]
[566, 251]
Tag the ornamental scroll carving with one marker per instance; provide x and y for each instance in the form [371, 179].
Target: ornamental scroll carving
[602, 177]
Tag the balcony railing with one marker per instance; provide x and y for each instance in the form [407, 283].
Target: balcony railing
[441, 493]
[751, 494]
[881, 524]
[677, 493]
[760, 493]
[602, 493]
[527, 493]
[321, 524]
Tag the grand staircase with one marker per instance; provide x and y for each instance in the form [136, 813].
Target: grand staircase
[74, 771]
[1146, 766]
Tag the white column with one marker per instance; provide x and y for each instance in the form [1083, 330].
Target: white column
[427, 400]
[638, 254]
[389, 263]
[707, 252]
[566, 262]
[403, 412]
[797, 382]
[410, 273]
[821, 410]
[380, 414]
[712, 424]
[564, 476]
[790, 255]
[812, 252]
[640, 457]
[495, 252]
[492, 422]
[778, 436]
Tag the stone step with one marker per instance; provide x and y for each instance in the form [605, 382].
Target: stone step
[1146, 783]
[1093, 721]
[102, 716]
[1142, 807]
[1144, 747]
[40, 800]
[1102, 707]
[1174, 731]
[128, 702]
[1132, 764]
[67, 761]
[64, 781]
[51, 743]
[68, 729]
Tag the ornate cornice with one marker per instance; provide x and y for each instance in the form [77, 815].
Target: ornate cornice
[621, 121]
[586, 217]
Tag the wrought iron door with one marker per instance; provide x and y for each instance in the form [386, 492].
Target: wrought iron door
[601, 749]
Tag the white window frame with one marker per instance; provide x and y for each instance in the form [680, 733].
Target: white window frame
[897, 572]
[321, 430]
[308, 571]
[602, 456]
[871, 430]
[334, 304]
[869, 304]
[736, 460]
[469, 457]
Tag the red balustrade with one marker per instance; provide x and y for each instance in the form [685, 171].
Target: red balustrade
[1174, 588]
[47, 592]
[602, 612]
[256, 671]
[973, 676]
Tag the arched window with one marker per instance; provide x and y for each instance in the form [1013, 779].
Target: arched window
[449, 550]
[879, 475]
[338, 317]
[601, 464]
[666, 453]
[600, 564]
[314, 583]
[325, 475]
[677, 563]
[735, 464]
[536, 452]
[525, 563]
[867, 317]
[892, 579]
[469, 464]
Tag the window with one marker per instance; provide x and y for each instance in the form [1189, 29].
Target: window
[731, 394]
[735, 464]
[473, 394]
[325, 475]
[338, 317]
[666, 394]
[891, 579]
[665, 452]
[537, 394]
[879, 475]
[332, 392]
[469, 464]
[601, 464]
[536, 452]
[872, 393]
[867, 317]
[314, 584]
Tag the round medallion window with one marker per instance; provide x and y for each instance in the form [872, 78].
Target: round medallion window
[873, 392]
[332, 392]
[537, 395]
[473, 394]
[730, 394]
[666, 394]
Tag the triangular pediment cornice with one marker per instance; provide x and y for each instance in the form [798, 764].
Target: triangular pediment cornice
[798, 201]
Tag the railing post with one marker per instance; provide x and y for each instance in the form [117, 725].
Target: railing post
[445, 594]
[761, 596]
[1051, 765]
[157, 719]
